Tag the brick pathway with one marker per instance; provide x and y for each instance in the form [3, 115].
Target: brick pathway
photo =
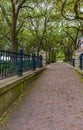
[55, 103]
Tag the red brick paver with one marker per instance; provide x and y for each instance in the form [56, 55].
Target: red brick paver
[55, 103]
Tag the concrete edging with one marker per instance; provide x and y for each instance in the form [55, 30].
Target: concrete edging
[11, 91]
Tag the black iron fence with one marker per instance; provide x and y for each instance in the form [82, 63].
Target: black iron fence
[12, 63]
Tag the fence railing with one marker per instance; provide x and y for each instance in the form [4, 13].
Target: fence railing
[12, 63]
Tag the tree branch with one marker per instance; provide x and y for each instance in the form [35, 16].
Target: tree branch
[27, 7]
[76, 11]
[20, 5]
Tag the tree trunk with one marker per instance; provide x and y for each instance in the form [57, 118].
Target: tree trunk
[14, 38]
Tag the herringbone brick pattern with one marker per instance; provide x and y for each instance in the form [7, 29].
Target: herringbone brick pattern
[55, 103]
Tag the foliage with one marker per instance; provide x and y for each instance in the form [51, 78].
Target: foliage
[41, 25]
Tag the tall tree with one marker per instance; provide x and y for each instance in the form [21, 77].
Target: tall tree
[11, 10]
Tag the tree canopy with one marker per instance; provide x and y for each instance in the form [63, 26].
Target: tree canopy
[49, 25]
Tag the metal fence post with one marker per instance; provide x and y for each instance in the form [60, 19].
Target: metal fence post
[20, 62]
[73, 62]
[81, 61]
[33, 61]
[40, 63]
